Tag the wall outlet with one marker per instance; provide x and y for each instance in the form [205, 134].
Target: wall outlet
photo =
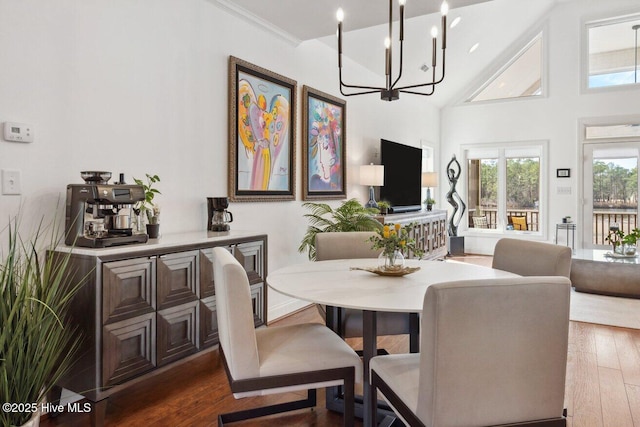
[11, 182]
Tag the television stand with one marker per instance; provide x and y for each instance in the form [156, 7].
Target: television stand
[430, 233]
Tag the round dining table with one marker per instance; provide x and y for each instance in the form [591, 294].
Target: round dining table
[347, 284]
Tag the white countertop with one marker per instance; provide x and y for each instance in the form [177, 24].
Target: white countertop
[164, 241]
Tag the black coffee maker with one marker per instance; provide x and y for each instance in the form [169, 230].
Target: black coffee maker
[219, 216]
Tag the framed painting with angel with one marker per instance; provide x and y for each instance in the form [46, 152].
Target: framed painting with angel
[261, 133]
[324, 159]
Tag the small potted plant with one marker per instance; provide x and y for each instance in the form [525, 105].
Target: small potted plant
[147, 207]
[429, 202]
[384, 206]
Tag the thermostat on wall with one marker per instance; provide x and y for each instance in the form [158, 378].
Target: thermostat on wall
[18, 132]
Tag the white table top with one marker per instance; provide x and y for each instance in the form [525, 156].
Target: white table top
[333, 283]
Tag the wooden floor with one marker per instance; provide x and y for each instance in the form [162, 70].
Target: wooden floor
[603, 386]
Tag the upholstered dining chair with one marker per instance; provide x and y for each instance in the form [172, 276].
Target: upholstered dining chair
[353, 245]
[277, 359]
[528, 258]
[494, 352]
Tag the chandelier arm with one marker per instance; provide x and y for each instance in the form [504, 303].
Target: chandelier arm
[359, 93]
[400, 73]
[403, 89]
[374, 89]
[413, 92]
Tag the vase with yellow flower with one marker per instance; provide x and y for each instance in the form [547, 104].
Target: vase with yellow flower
[396, 243]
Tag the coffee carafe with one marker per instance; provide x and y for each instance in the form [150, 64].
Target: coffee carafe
[219, 216]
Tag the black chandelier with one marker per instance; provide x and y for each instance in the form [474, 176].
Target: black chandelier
[391, 91]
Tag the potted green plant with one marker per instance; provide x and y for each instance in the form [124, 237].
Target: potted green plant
[623, 244]
[350, 216]
[36, 344]
[384, 206]
[429, 202]
[147, 207]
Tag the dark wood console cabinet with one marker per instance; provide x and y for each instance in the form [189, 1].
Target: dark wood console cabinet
[145, 307]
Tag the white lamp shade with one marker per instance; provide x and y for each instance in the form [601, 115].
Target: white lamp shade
[372, 175]
[429, 179]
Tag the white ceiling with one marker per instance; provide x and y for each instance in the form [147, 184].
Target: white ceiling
[498, 25]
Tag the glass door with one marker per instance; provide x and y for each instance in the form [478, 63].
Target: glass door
[610, 190]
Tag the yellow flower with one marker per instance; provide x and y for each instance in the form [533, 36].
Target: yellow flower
[386, 228]
[397, 227]
[385, 234]
[403, 242]
[393, 232]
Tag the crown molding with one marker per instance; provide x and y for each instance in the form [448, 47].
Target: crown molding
[257, 21]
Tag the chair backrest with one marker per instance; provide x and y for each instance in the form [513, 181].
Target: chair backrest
[480, 222]
[518, 222]
[345, 245]
[493, 351]
[528, 258]
[235, 315]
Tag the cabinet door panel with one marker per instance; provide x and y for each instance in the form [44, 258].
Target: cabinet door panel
[128, 349]
[177, 332]
[207, 287]
[208, 322]
[251, 257]
[128, 288]
[257, 299]
[178, 279]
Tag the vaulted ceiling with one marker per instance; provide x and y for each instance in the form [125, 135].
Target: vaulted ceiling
[498, 26]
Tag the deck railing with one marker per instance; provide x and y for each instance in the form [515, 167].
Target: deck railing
[602, 220]
[533, 217]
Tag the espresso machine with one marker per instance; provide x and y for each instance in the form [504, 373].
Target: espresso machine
[98, 214]
[219, 216]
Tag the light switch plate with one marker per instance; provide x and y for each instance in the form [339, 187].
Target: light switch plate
[11, 182]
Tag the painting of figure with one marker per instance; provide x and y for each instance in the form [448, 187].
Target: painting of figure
[262, 146]
[324, 134]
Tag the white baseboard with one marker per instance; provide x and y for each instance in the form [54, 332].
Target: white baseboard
[285, 308]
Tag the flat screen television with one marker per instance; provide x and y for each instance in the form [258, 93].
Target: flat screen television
[402, 176]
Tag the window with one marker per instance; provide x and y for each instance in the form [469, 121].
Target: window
[504, 187]
[520, 77]
[613, 52]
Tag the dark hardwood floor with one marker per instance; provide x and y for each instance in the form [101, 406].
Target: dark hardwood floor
[603, 386]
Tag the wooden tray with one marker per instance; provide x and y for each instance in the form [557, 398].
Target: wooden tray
[382, 272]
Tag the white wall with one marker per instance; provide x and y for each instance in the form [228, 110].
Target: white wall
[141, 87]
[554, 117]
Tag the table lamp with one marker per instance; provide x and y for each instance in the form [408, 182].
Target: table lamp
[372, 175]
[429, 179]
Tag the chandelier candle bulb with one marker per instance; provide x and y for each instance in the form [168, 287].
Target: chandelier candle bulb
[444, 9]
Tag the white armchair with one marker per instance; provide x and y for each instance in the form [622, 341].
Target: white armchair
[494, 352]
[277, 359]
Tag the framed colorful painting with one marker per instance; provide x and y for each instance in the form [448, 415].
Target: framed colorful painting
[262, 134]
[324, 160]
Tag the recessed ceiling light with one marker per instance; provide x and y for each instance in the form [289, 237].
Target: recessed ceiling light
[474, 47]
[455, 22]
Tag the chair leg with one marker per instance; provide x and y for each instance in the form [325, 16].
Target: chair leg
[349, 401]
[414, 333]
[247, 414]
